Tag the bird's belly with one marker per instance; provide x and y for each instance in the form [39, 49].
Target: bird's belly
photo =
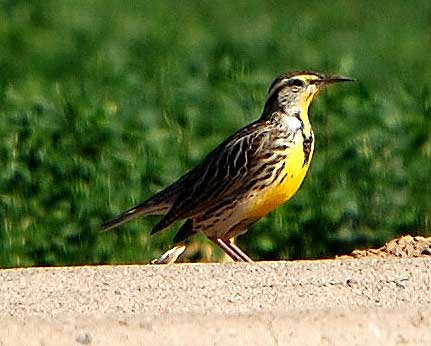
[278, 193]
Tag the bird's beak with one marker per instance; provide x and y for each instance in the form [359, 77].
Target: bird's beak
[335, 79]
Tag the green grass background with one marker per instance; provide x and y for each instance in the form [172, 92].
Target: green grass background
[103, 103]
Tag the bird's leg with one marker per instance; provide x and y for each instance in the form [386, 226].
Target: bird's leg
[238, 251]
[227, 249]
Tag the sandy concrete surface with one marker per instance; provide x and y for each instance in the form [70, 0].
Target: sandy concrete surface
[334, 302]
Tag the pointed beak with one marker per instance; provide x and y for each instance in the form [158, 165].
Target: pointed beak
[335, 79]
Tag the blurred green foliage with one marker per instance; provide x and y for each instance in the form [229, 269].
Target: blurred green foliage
[102, 103]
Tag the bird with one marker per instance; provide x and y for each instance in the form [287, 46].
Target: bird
[252, 172]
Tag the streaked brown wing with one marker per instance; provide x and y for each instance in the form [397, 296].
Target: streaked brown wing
[234, 165]
[222, 172]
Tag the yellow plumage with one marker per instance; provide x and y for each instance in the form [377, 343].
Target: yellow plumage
[280, 194]
[294, 169]
[248, 175]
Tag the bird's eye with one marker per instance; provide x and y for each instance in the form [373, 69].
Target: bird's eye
[296, 82]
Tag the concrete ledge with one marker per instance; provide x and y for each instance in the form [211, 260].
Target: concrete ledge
[333, 302]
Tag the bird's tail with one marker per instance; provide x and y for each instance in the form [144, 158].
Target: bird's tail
[139, 210]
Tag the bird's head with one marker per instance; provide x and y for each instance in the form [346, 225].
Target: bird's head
[295, 91]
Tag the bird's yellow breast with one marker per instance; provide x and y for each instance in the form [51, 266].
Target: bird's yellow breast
[277, 194]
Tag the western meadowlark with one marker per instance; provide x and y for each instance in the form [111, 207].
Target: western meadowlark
[250, 174]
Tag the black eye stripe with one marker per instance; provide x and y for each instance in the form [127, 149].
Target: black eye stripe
[281, 83]
[295, 82]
